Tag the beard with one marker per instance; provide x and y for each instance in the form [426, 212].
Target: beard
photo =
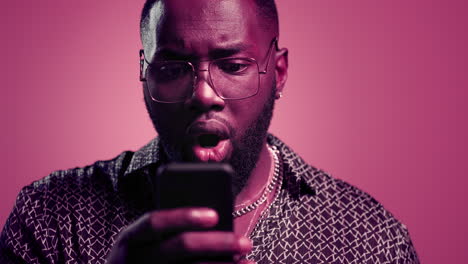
[246, 150]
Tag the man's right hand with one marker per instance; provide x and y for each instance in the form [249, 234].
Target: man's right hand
[176, 236]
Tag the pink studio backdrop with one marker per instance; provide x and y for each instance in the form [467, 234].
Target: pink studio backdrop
[376, 96]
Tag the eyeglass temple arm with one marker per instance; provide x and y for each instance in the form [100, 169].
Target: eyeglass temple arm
[275, 42]
[142, 64]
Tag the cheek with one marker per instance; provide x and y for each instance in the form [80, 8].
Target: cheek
[160, 112]
[247, 111]
[264, 94]
[167, 114]
[166, 118]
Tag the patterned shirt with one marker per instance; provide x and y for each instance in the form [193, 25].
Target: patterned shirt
[74, 216]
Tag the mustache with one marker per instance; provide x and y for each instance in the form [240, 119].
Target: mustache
[213, 116]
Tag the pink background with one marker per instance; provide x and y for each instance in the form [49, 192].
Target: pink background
[376, 96]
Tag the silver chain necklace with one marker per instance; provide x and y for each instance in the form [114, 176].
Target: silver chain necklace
[271, 186]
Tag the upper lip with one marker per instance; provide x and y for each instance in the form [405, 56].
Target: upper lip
[210, 126]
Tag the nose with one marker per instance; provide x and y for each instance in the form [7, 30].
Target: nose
[204, 97]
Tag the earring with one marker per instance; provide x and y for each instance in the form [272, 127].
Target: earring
[279, 95]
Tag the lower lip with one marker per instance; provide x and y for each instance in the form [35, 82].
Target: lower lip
[217, 153]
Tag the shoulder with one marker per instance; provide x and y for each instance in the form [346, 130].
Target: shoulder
[359, 219]
[340, 196]
[76, 183]
[64, 190]
[49, 209]
[343, 213]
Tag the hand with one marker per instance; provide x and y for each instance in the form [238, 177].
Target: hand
[176, 236]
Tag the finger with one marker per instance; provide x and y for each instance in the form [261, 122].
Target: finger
[190, 245]
[154, 226]
[244, 261]
[174, 220]
[236, 262]
[240, 262]
[241, 259]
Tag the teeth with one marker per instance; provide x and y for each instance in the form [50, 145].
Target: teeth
[208, 140]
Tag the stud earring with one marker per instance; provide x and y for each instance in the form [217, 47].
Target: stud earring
[279, 95]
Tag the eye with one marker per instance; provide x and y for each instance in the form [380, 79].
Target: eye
[233, 66]
[171, 71]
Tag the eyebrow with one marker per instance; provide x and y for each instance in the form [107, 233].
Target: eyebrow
[169, 54]
[221, 52]
[229, 50]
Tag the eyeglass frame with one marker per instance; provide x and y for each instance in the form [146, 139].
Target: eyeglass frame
[195, 75]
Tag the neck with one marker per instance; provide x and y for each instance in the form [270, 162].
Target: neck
[258, 177]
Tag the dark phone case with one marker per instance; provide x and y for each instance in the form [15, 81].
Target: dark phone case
[197, 185]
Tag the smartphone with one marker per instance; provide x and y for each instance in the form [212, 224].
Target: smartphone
[197, 185]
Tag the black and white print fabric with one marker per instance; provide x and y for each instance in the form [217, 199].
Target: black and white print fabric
[74, 216]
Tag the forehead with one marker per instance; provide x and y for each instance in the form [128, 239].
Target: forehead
[204, 24]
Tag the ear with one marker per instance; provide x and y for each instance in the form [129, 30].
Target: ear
[142, 64]
[281, 69]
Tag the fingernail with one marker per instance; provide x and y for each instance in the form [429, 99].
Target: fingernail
[245, 244]
[203, 213]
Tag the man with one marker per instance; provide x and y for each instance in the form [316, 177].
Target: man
[211, 71]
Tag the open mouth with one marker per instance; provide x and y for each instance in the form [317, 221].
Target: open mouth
[208, 140]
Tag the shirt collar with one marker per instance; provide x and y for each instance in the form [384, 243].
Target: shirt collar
[299, 176]
[145, 156]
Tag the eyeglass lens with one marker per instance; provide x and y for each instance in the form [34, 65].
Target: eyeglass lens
[232, 78]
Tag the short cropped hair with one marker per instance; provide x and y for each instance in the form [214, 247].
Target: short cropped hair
[266, 9]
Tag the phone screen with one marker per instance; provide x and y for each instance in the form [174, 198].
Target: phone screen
[197, 185]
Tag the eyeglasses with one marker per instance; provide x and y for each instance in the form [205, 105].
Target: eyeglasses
[173, 81]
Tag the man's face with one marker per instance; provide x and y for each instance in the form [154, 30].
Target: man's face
[205, 127]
